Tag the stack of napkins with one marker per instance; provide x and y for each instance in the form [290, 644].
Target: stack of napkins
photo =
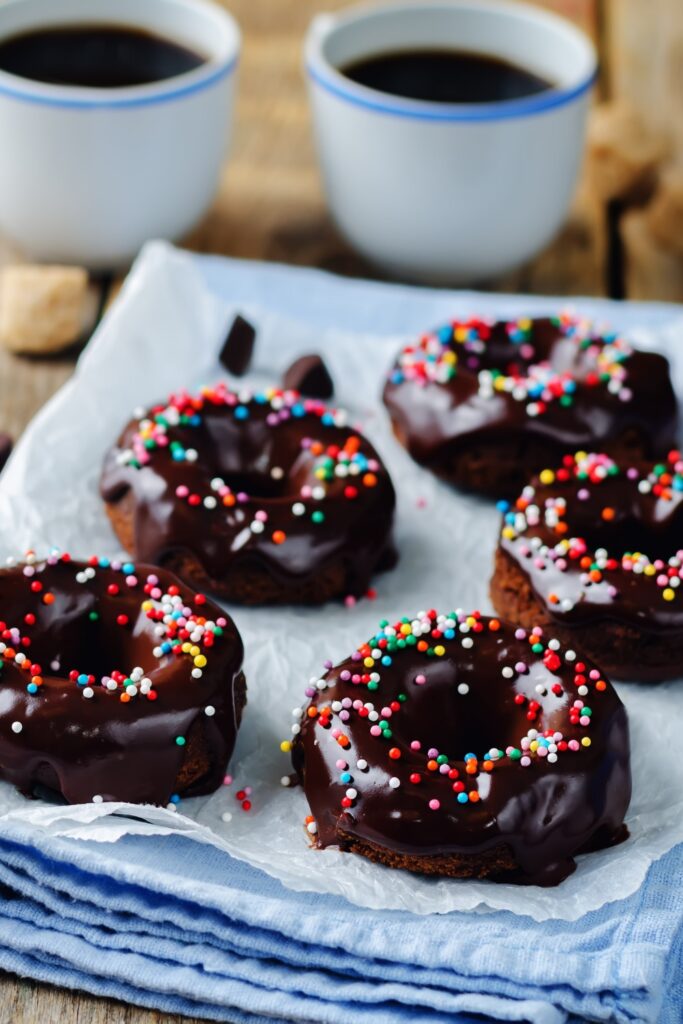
[170, 920]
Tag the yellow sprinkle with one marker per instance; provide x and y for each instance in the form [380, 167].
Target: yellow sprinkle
[285, 746]
[186, 647]
[580, 456]
[586, 741]
[460, 334]
[668, 594]
[524, 324]
[406, 629]
[439, 650]
[533, 745]
[368, 662]
[547, 476]
[194, 650]
[649, 570]
[509, 533]
[200, 661]
[449, 357]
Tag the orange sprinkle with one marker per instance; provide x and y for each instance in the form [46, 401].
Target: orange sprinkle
[471, 767]
[474, 796]
[608, 514]
[601, 685]
[312, 712]
[48, 598]
[124, 698]
[488, 766]
[229, 500]
[279, 536]
[553, 598]
[369, 479]
[494, 625]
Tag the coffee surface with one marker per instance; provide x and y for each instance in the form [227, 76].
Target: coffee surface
[445, 76]
[96, 56]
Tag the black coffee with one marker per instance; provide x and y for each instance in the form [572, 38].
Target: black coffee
[445, 76]
[100, 56]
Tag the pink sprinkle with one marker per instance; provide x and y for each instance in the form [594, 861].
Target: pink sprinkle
[182, 491]
[415, 745]
[342, 765]
[375, 730]
[349, 601]
[227, 780]
[420, 680]
[434, 805]
[421, 503]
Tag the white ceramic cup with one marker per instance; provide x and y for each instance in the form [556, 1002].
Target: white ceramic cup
[449, 193]
[87, 175]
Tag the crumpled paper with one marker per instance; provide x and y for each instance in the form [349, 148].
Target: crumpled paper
[165, 331]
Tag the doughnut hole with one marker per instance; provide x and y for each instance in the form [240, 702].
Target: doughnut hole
[457, 723]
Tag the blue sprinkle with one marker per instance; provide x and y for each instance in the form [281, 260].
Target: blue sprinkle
[386, 660]
[128, 568]
[32, 688]
[502, 506]
[82, 680]
[463, 798]
[470, 757]
[241, 412]
[178, 454]
[345, 777]
[327, 420]
[298, 410]
[103, 563]
[175, 799]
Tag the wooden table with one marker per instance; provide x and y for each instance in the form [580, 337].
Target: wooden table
[270, 206]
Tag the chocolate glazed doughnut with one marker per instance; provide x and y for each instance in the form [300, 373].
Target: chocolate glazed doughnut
[117, 683]
[485, 405]
[265, 497]
[458, 745]
[594, 551]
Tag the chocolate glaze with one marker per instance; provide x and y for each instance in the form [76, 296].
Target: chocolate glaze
[545, 812]
[82, 746]
[437, 419]
[639, 520]
[245, 454]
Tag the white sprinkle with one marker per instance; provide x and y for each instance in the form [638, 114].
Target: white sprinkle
[277, 473]
[226, 816]
[508, 672]
[196, 673]
[17, 727]
[361, 764]
[210, 710]
[257, 526]
[285, 781]
[298, 508]
[210, 501]
[463, 688]
[312, 828]
[97, 799]
[171, 807]
[394, 782]
[88, 692]
[467, 642]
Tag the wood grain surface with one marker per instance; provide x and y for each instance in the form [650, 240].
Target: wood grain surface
[270, 206]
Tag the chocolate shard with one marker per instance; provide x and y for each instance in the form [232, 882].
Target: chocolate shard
[6, 445]
[310, 376]
[238, 347]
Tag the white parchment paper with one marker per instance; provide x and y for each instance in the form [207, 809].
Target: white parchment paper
[164, 332]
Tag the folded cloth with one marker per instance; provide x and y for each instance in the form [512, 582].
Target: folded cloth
[168, 923]
[165, 923]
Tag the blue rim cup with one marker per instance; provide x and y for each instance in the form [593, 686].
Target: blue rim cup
[449, 193]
